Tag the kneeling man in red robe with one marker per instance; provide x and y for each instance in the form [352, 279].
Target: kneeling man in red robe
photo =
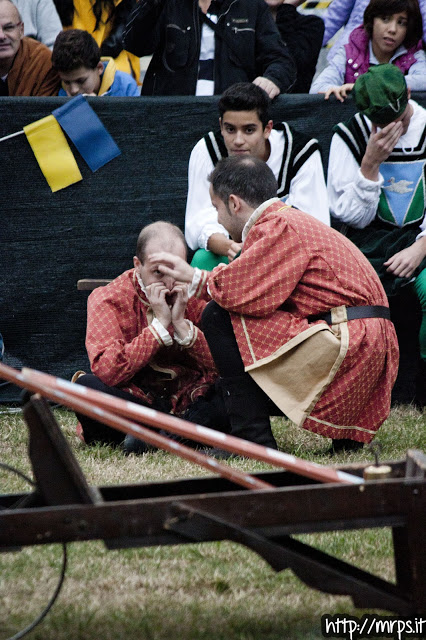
[298, 323]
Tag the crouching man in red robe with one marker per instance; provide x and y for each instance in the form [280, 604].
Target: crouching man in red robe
[298, 323]
[145, 345]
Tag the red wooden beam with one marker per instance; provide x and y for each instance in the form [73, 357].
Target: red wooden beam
[91, 409]
[183, 428]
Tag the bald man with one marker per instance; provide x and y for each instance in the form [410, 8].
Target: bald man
[25, 64]
[144, 343]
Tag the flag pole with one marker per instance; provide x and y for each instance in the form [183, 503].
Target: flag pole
[12, 135]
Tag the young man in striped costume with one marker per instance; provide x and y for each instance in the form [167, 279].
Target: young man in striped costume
[246, 129]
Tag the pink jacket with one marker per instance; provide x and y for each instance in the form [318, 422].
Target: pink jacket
[358, 59]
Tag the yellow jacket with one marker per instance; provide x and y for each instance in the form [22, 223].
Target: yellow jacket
[84, 19]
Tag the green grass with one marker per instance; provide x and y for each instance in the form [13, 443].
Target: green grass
[214, 591]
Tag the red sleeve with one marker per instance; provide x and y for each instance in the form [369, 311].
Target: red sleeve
[271, 264]
[117, 349]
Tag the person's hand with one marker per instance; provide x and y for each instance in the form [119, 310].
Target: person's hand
[339, 92]
[405, 262]
[179, 300]
[267, 85]
[233, 250]
[157, 294]
[380, 145]
[172, 265]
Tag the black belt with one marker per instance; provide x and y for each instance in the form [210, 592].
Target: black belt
[355, 313]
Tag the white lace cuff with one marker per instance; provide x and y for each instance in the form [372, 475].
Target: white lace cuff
[162, 333]
[195, 282]
[187, 340]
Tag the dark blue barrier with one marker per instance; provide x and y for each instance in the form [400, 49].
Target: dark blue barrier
[49, 241]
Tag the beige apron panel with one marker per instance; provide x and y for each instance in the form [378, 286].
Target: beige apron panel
[296, 375]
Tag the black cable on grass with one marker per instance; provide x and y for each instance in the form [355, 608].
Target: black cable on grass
[51, 602]
[58, 588]
[7, 467]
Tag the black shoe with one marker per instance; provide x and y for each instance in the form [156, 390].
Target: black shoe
[344, 445]
[136, 446]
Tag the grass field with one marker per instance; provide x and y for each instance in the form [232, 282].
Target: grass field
[214, 591]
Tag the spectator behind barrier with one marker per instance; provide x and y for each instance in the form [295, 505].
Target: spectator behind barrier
[391, 33]
[76, 57]
[245, 128]
[25, 64]
[239, 43]
[105, 20]
[303, 35]
[41, 20]
[349, 14]
[376, 185]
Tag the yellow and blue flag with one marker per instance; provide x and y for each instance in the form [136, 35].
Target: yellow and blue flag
[51, 148]
[53, 153]
[83, 127]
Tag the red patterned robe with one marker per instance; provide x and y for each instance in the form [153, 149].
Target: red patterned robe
[335, 381]
[126, 351]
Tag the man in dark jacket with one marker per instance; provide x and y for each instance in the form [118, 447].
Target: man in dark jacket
[303, 35]
[201, 48]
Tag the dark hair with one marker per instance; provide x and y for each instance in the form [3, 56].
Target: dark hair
[246, 177]
[73, 49]
[245, 96]
[65, 9]
[155, 229]
[383, 8]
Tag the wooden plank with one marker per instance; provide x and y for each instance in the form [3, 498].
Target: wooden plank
[416, 464]
[59, 477]
[403, 552]
[271, 512]
[88, 284]
[78, 398]
[314, 567]
[410, 549]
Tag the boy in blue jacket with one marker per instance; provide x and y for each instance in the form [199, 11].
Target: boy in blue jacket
[77, 59]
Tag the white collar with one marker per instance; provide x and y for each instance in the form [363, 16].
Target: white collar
[255, 215]
[140, 282]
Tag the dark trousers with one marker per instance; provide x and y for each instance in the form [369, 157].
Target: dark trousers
[219, 333]
[208, 410]
[247, 405]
